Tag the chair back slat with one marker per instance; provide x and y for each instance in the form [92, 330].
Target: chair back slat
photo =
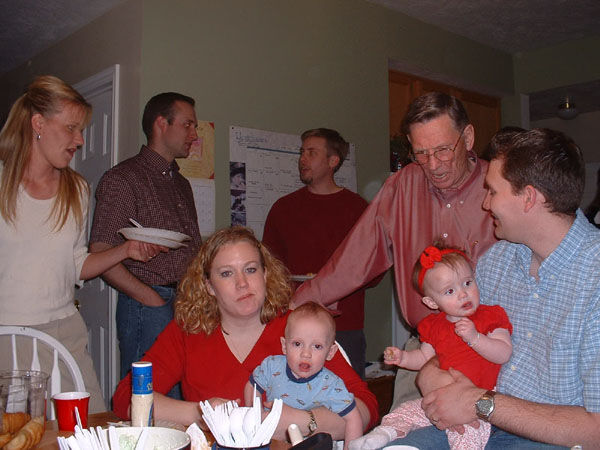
[54, 384]
[343, 352]
[35, 360]
[58, 349]
[13, 339]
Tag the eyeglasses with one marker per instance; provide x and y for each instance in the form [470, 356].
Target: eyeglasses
[443, 154]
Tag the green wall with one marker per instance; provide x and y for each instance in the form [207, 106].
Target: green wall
[287, 66]
[572, 62]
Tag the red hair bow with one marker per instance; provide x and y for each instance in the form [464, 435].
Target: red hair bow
[430, 256]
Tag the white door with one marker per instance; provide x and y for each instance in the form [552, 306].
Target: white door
[96, 300]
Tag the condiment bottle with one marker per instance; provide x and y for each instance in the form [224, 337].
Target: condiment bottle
[295, 434]
[142, 397]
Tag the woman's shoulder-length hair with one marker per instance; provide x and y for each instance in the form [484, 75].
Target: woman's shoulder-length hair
[196, 310]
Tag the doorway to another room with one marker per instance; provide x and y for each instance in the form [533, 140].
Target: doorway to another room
[96, 300]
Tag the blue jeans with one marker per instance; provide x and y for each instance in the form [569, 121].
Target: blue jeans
[138, 326]
[430, 438]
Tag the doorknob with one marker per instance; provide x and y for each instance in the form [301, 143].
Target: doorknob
[77, 304]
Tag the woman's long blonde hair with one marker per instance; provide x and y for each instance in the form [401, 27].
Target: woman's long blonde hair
[196, 309]
[46, 95]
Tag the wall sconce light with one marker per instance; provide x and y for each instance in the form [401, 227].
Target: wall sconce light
[567, 110]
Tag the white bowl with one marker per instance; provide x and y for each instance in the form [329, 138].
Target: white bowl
[401, 447]
[158, 438]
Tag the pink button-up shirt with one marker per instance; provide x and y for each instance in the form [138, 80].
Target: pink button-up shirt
[407, 215]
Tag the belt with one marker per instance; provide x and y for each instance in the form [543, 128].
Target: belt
[170, 286]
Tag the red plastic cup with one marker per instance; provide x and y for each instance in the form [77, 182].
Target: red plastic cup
[65, 409]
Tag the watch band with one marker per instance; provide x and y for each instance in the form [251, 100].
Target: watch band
[312, 423]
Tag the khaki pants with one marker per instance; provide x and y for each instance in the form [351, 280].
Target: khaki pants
[70, 332]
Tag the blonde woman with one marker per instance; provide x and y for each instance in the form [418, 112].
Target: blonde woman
[43, 224]
[230, 313]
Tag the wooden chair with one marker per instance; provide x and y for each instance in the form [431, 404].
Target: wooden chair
[59, 351]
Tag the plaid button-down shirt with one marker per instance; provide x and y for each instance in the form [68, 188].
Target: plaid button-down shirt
[556, 319]
[152, 191]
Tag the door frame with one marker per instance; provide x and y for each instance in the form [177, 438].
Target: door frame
[108, 79]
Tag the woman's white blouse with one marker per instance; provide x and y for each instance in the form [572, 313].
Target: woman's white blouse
[39, 266]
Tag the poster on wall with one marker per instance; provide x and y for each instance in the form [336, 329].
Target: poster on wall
[263, 167]
[199, 169]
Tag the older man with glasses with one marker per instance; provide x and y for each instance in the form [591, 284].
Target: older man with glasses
[436, 199]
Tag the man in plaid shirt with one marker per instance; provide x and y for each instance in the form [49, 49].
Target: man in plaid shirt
[149, 189]
[546, 275]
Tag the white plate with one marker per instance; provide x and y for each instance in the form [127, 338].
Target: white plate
[142, 234]
[158, 232]
[303, 277]
[158, 438]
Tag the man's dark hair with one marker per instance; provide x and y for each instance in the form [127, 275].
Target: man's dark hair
[432, 105]
[502, 136]
[162, 105]
[334, 142]
[549, 161]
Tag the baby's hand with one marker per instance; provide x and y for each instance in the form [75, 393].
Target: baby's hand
[392, 356]
[465, 328]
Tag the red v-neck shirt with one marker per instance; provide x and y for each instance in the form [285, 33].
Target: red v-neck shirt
[207, 368]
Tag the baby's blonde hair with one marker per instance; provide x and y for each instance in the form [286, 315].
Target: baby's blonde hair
[314, 311]
[451, 259]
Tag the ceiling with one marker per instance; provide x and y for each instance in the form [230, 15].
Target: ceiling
[509, 25]
[516, 26]
[28, 27]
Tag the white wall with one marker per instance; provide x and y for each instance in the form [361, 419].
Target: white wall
[585, 131]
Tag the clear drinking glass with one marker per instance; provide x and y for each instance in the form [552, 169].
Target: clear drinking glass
[23, 396]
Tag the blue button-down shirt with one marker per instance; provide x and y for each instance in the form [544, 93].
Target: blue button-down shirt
[556, 319]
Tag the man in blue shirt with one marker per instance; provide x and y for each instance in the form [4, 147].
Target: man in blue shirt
[546, 274]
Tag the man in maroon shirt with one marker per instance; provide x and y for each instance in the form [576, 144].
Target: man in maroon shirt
[149, 189]
[305, 227]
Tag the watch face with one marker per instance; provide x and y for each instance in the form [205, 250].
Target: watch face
[484, 406]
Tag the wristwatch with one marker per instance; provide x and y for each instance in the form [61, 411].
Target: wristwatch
[312, 423]
[484, 407]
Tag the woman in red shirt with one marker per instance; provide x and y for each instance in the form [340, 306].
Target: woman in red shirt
[230, 313]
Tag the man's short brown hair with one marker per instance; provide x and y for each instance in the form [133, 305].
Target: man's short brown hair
[549, 161]
[162, 105]
[502, 136]
[335, 143]
[432, 105]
